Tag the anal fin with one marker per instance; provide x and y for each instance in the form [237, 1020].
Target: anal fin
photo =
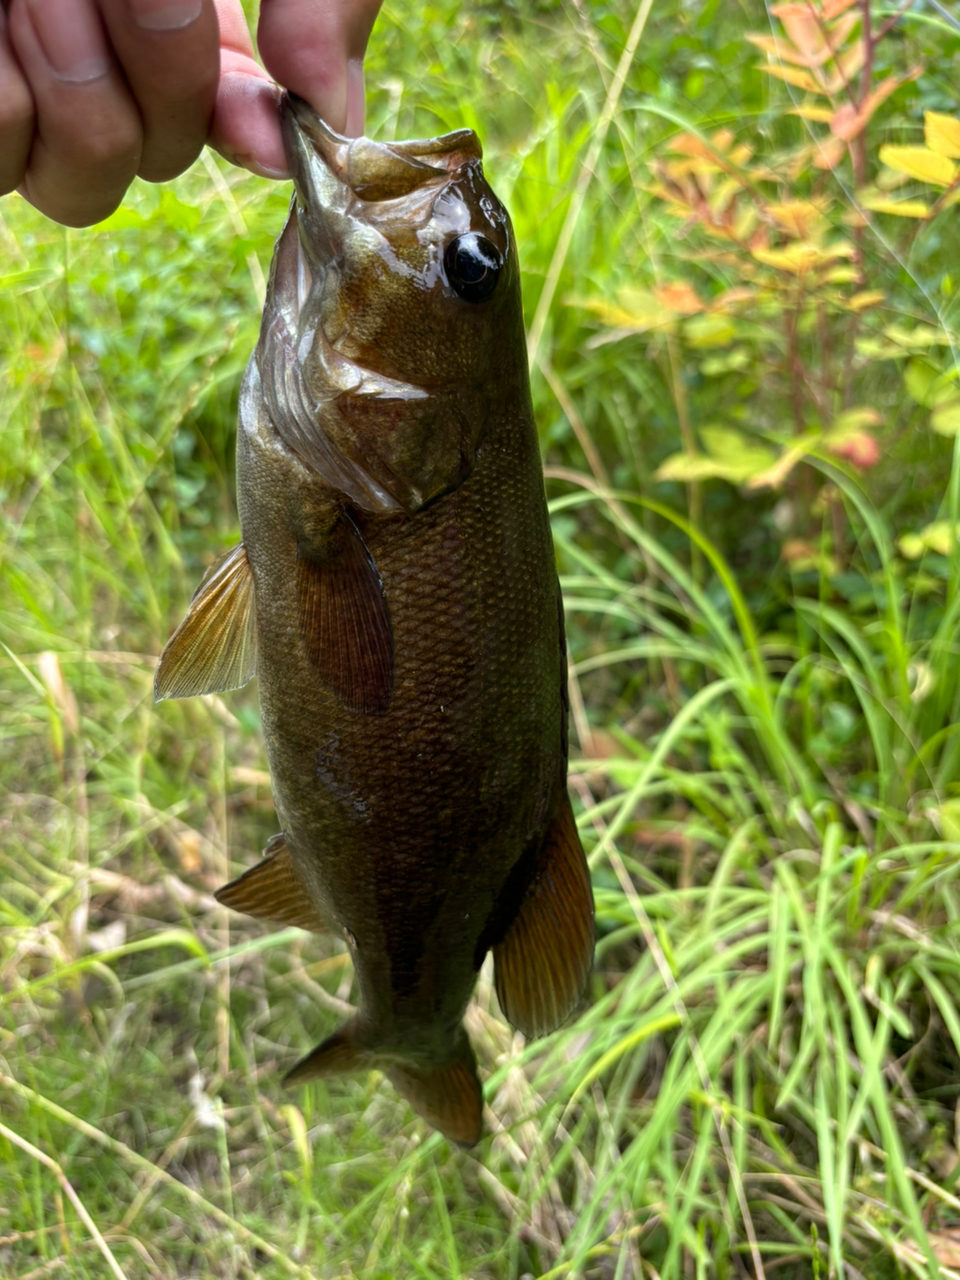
[334, 1056]
[272, 891]
[448, 1096]
[345, 622]
[214, 648]
[542, 965]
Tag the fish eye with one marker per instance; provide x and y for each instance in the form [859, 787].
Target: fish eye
[473, 265]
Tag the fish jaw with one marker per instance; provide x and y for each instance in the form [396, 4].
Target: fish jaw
[376, 371]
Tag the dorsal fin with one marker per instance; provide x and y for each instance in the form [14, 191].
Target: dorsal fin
[272, 891]
[215, 646]
[542, 965]
[345, 622]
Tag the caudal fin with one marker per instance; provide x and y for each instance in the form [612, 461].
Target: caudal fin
[448, 1096]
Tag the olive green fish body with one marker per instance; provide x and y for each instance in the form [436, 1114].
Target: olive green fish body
[397, 596]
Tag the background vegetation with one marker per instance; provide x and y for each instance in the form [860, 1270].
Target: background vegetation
[739, 239]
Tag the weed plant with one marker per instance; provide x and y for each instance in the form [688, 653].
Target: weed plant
[762, 621]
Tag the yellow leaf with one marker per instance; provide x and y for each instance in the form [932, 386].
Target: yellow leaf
[804, 29]
[822, 115]
[780, 51]
[877, 202]
[842, 275]
[636, 311]
[802, 257]
[868, 298]
[744, 222]
[828, 152]
[679, 297]
[920, 163]
[794, 76]
[848, 64]
[831, 8]
[298, 1132]
[801, 218]
[773, 477]
[942, 133]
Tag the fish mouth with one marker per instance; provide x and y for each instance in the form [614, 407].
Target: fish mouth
[369, 170]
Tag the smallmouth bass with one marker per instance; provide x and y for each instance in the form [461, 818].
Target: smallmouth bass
[396, 595]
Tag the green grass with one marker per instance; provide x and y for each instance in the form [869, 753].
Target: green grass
[765, 758]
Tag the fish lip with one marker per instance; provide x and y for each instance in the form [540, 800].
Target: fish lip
[366, 169]
[305, 135]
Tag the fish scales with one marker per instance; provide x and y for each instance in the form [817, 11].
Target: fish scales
[397, 596]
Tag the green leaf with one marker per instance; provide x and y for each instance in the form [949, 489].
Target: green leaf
[945, 419]
[950, 820]
[912, 546]
[710, 331]
[121, 219]
[941, 536]
[730, 456]
[851, 421]
[920, 379]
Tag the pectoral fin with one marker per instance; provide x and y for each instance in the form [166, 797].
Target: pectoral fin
[214, 648]
[345, 622]
[542, 965]
[447, 1096]
[272, 891]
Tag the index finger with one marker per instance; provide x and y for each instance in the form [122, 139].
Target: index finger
[170, 54]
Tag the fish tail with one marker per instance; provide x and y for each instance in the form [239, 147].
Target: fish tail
[447, 1095]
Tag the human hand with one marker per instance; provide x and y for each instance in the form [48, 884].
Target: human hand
[94, 92]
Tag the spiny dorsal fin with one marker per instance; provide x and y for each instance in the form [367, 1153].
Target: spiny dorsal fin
[447, 1096]
[271, 891]
[215, 647]
[542, 965]
[345, 623]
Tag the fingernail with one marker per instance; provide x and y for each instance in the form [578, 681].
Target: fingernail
[255, 166]
[70, 36]
[165, 15]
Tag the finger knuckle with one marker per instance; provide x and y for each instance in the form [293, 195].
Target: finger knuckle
[16, 108]
[114, 145]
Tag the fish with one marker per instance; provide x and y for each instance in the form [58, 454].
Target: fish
[395, 593]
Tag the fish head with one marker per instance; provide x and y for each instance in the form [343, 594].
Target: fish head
[393, 322]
